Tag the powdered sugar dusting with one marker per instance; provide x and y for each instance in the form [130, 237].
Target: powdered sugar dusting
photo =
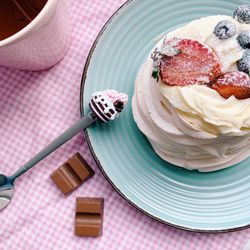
[244, 39]
[237, 78]
[170, 47]
[242, 13]
[195, 64]
[166, 49]
[225, 29]
[235, 84]
[203, 79]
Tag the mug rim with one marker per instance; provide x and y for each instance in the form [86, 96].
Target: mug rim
[30, 26]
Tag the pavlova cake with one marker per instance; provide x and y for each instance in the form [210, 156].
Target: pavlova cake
[192, 95]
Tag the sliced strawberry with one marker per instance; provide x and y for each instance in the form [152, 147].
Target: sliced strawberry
[194, 64]
[233, 83]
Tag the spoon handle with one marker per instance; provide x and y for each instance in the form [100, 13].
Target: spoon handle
[85, 122]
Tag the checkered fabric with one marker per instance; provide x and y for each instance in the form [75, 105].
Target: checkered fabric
[35, 107]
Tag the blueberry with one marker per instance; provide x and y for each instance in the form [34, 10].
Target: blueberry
[242, 13]
[244, 63]
[244, 39]
[225, 29]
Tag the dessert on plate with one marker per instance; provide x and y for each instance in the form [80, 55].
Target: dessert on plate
[192, 95]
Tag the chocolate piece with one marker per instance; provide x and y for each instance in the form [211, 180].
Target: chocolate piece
[89, 216]
[72, 174]
[89, 205]
[88, 225]
[66, 179]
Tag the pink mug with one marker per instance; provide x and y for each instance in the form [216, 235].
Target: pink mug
[42, 43]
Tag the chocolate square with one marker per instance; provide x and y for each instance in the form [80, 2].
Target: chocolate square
[89, 216]
[72, 174]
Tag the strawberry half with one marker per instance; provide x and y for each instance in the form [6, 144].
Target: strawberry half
[233, 83]
[194, 64]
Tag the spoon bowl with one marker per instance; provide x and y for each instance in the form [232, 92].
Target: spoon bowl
[6, 191]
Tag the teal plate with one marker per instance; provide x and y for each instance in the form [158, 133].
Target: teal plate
[214, 202]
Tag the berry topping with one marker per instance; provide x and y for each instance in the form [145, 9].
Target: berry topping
[233, 83]
[195, 64]
[244, 39]
[242, 13]
[166, 49]
[244, 63]
[225, 29]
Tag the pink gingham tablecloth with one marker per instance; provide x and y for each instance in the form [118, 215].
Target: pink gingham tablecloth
[35, 107]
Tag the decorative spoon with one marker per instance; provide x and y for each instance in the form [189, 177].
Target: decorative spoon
[105, 106]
